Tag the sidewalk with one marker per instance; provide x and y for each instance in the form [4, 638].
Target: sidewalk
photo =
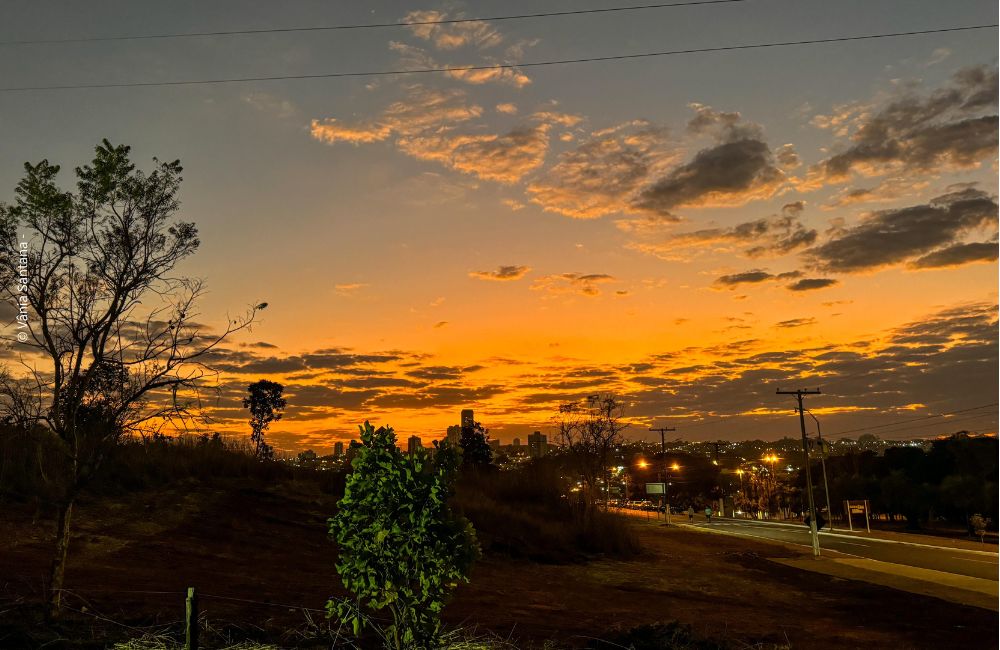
[964, 590]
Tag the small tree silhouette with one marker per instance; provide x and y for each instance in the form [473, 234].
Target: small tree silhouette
[475, 445]
[265, 403]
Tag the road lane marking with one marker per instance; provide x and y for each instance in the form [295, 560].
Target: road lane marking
[969, 559]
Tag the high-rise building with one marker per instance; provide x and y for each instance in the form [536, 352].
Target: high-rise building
[516, 442]
[454, 435]
[495, 445]
[538, 444]
[413, 445]
[338, 449]
[468, 420]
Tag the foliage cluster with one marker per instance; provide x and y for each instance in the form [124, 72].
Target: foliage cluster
[31, 470]
[476, 452]
[525, 513]
[954, 480]
[402, 550]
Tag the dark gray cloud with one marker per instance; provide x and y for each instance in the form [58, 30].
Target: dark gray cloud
[954, 126]
[771, 236]
[809, 284]
[512, 272]
[729, 173]
[437, 373]
[795, 322]
[891, 237]
[326, 397]
[436, 397]
[754, 276]
[945, 361]
[746, 277]
[958, 255]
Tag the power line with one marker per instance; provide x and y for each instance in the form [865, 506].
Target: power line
[925, 417]
[907, 431]
[504, 66]
[410, 23]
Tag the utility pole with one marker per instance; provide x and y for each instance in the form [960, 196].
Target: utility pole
[663, 440]
[666, 481]
[805, 456]
[822, 460]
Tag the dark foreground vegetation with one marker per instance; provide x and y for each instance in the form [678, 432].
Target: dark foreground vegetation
[251, 535]
[520, 514]
[954, 480]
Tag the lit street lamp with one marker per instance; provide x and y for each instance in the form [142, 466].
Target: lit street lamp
[743, 499]
[772, 459]
[666, 491]
[822, 460]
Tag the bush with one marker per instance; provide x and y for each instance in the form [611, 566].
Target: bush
[525, 513]
[31, 465]
[401, 548]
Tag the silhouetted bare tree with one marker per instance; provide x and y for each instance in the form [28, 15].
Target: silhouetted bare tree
[590, 431]
[111, 342]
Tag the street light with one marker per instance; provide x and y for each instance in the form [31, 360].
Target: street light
[772, 459]
[822, 460]
[739, 472]
[666, 491]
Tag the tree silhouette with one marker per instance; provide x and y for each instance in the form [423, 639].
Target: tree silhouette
[590, 432]
[265, 403]
[475, 446]
[90, 274]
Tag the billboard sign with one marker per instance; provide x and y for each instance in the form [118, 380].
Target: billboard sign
[655, 488]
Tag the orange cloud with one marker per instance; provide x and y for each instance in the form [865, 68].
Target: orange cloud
[583, 284]
[451, 36]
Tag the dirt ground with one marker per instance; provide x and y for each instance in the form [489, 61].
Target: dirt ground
[258, 557]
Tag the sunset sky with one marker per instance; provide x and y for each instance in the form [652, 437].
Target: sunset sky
[690, 232]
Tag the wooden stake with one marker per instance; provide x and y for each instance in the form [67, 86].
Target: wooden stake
[191, 621]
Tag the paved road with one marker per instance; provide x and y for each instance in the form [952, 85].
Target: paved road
[950, 560]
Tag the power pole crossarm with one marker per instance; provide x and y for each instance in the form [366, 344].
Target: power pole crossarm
[663, 441]
[814, 532]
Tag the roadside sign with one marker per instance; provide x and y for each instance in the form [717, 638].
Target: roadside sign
[857, 508]
[656, 488]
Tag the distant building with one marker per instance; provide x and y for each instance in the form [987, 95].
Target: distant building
[413, 445]
[468, 420]
[338, 449]
[538, 444]
[352, 449]
[454, 434]
[516, 442]
[495, 445]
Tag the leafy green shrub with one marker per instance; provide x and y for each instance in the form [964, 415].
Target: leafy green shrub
[402, 549]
